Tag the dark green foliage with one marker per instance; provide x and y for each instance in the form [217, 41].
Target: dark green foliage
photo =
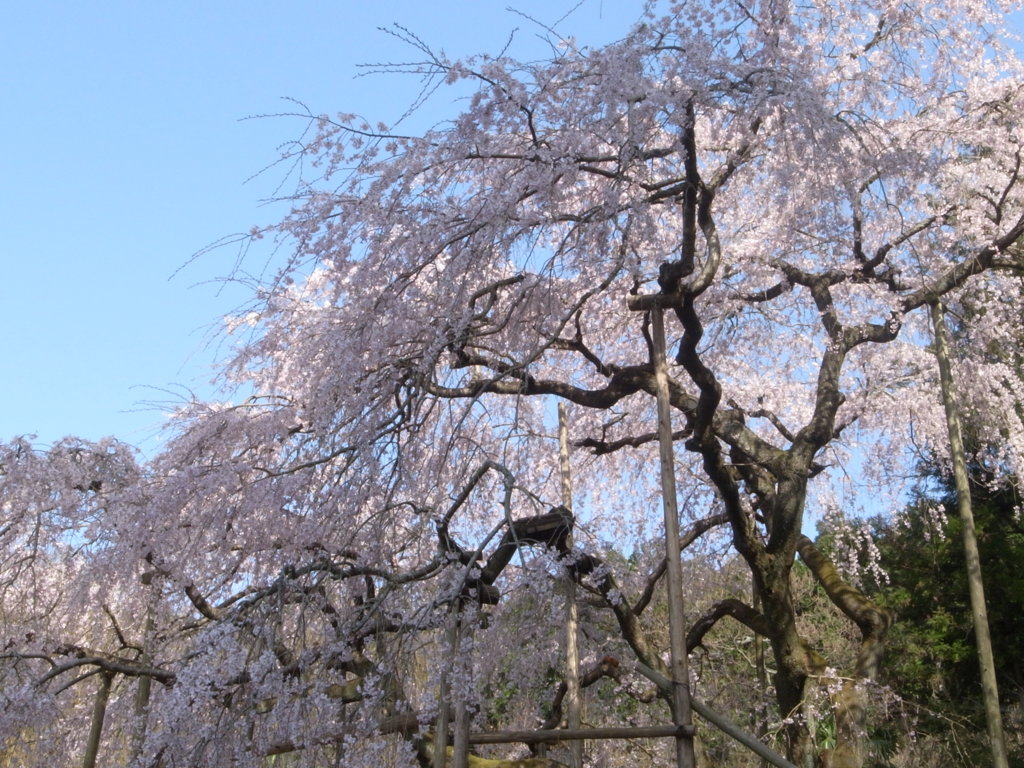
[930, 657]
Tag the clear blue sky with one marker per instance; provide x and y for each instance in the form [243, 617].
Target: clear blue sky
[126, 151]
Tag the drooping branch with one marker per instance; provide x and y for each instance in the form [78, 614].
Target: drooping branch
[628, 621]
[696, 530]
[514, 380]
[958, 274]
[201, 603]
[602, 447]
[606, 667]
[752, 619]
[872, 620]
[77, 657]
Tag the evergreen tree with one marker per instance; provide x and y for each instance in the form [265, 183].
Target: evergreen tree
[932, 660]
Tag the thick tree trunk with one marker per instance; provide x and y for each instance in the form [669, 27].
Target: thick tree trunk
[795, 662]
[799, 666]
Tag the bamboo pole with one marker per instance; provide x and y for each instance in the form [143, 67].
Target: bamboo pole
[408, 724]
[444, 710]
[636, 732]
[572, 653]
[726, 726]
[99, 712]
[460, 733]
[144, 691]
[142, 696]
[681, 715]
[463, 667]
[578, 734]
[989, 689]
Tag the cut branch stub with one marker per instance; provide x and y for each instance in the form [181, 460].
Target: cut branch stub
[551, 529]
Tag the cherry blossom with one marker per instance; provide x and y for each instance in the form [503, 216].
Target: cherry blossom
[795, 183]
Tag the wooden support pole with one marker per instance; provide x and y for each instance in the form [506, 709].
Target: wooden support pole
[572, 653]
[144, 691]
[636, 732]
[444, 708]
[726, 726]
[566, 734]
[408, 724]
[99, 712]
[463, 667]
[460, 733]
[677, 633]
[989, 689]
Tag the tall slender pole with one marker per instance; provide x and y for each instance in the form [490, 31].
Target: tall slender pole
[460, 732]
[142, 694]
[99, 712]
[677, 637]
[453, 699]
[144, 690]
[462, 664]
[572, 652]
[444, 696]
[989, 690]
